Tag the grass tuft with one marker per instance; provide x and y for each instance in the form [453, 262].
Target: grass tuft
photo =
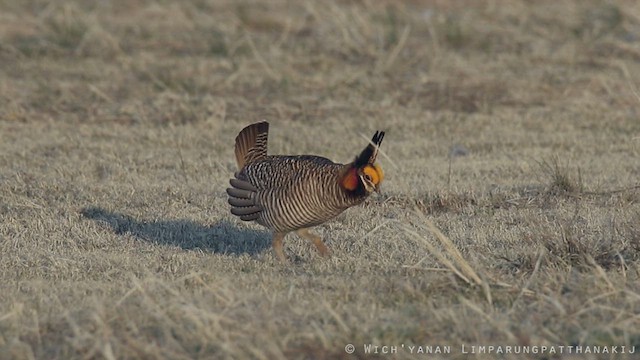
[560, 179]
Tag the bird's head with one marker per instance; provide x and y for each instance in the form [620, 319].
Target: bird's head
[364, 175]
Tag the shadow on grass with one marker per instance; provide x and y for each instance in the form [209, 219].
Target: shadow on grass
[221, 237]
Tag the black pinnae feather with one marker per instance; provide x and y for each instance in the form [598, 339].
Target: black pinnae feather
[368, 155]
[378, 140]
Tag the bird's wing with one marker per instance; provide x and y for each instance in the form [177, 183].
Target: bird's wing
[243, 200]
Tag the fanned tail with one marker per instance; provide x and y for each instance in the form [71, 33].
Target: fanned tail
[251, 143]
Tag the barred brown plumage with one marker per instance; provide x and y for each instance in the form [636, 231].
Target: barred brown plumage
[293, 193]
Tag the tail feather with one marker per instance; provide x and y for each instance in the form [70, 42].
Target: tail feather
[369, 154]
[251, 143]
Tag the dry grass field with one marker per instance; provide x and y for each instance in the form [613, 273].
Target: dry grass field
[513, 127]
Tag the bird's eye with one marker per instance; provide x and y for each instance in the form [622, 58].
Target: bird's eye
[367, 177]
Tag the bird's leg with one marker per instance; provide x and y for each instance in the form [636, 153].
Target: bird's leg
[277, 246]
[317, 241]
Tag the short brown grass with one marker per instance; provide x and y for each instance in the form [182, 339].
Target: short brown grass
[509, 214]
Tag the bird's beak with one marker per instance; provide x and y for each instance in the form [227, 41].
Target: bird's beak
[377, 188]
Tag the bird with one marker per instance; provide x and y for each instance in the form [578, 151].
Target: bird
[292, 193]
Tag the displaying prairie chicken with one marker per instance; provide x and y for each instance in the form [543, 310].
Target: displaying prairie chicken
[294, 193]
